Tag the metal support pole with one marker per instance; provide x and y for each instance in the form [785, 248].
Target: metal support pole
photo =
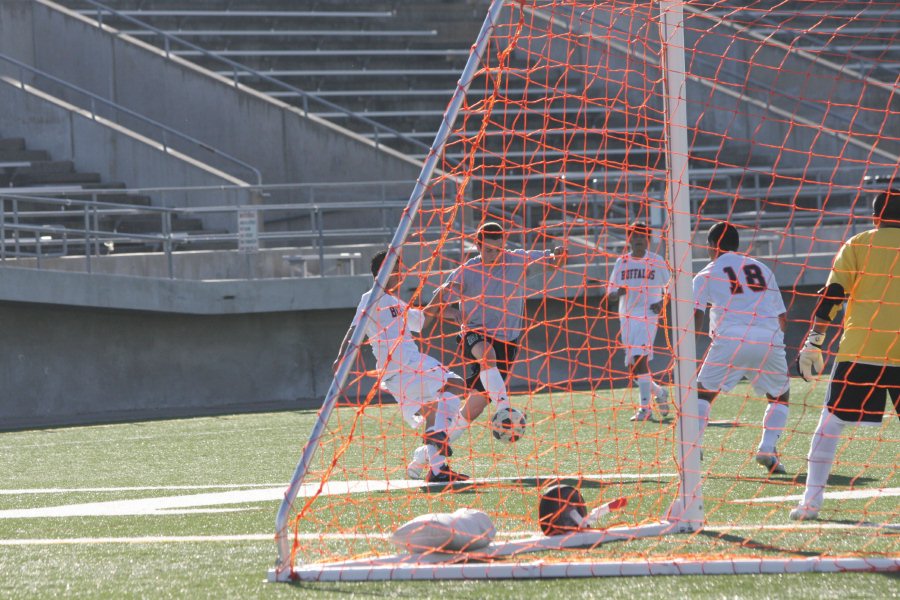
[87, 238]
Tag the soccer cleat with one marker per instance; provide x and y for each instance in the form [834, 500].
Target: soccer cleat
[805, 513]
[662, 402]
[416, 468]
[770, 461]
[445, 476]
[643, 414]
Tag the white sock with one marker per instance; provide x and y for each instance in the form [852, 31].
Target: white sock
[495, 387]
[421, 455]
[435, 458]
[703, 410]
[644, 383]
[773, 425]
[447, 411]
[821, 456]
[457, 427]
[656, 389]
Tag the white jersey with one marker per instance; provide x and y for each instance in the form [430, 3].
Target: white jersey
[388, 330]
[743, 294]
[645, 280]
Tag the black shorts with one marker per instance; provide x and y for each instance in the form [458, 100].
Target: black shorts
[505, 351]
[857, 392]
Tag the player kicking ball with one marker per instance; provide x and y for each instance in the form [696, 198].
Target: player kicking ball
[638, 281]
[486, 297]
[426, 391]
[747, 323]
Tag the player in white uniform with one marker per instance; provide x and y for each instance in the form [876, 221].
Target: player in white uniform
[426, 391]
[639, 280]
[747, 323]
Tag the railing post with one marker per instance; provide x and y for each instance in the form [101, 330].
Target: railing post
[167, 242]
[15, 208]
[3, 228]
[95, 225]
[87, 238]
[319, 230]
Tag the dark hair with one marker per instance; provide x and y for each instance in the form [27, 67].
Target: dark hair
[491, 230]
[377, 261]
[887, 205]
[639, 228]
[724, 236]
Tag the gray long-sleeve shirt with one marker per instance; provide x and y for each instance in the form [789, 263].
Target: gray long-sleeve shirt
[492, 297]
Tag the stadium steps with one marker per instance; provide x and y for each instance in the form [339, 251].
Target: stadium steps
[35, 175]
[868, 45]
[372, 65]
[387, 64]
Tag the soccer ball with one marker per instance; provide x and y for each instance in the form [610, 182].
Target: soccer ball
[508, 424]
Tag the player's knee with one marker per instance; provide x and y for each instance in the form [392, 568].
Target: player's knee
[455, 386]
[449, 404]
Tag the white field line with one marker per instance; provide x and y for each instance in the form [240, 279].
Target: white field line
[846, 495]
[266, 537]
[172, 504]
[145, 488]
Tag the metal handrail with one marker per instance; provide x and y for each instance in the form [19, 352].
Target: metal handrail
[300, 221]
[147, 120]
[236, 67]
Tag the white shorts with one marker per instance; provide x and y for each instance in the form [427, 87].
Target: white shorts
[638, 335]
[417, 383]
[761, 360]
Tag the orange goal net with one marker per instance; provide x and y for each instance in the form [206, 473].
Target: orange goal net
[609, 176]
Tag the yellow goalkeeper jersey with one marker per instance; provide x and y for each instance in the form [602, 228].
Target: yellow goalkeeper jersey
[868, 267]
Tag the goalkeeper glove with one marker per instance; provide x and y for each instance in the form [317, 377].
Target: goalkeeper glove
[810, 361]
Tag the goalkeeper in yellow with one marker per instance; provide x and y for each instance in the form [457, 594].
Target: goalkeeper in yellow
[866, 274]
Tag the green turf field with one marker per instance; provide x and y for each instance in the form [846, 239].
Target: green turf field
[148, 509]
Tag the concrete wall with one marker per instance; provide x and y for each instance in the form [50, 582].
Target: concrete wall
[275, 137]
[74, 365]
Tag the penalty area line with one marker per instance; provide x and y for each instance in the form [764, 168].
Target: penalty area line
[214, 501]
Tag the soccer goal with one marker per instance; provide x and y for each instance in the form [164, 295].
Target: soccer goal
[571, 122]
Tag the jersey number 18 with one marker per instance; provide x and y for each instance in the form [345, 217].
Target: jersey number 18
[752, 273]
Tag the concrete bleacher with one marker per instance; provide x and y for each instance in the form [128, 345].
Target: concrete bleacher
[35, 224]
[397, 62]
[864, 36]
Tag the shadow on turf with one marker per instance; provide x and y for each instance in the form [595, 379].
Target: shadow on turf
[534, 482]
[842, 480]
[745, 542]
[800, 479]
